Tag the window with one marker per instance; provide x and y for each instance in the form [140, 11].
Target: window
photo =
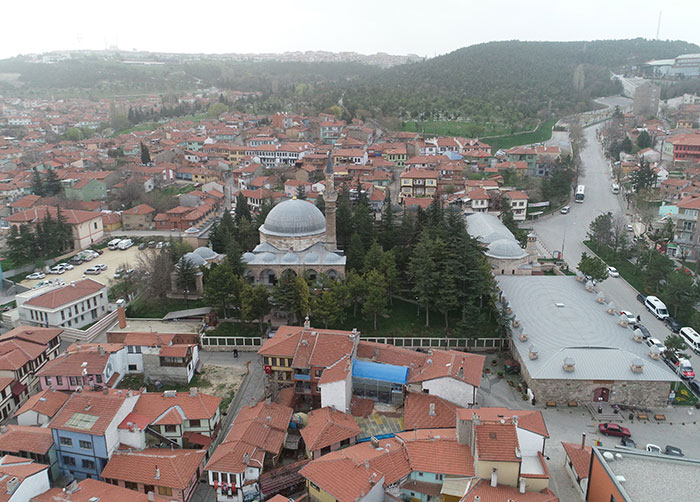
[131, 485]
[133, 367]
[47, 380]
[85, 445]
[68, 460]
[165, 490]
[171, 428]
[98, 378]
[194, 423]
[88, 464]
[66, 441]
[59, 380]
[148, 488]
[73, 380]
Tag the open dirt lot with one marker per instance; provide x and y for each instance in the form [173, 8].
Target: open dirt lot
[224, 379]
[113, 260]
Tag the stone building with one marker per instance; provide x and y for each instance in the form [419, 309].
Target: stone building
[503, 250]
[200, 257]
[570, 348]
[296, 236]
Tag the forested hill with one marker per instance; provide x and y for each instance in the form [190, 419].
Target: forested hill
[496, 82]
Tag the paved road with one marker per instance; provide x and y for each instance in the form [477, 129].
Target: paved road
[570, 230]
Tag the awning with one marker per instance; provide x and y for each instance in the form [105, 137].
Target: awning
[17, 388]
[197, 438]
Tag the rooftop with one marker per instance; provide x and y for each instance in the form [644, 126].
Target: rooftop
[26, 438]
[154, 466]
[327, 427]
[47, 402]
[66, 294]
[91, 490]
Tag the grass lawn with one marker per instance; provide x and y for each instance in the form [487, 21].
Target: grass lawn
[236, 329]
[157, 308]
[626, 268]
[456, 128]
[404, 321]
[684, 397]
[541, 134]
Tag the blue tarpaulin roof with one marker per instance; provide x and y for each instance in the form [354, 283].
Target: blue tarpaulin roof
[378, 371]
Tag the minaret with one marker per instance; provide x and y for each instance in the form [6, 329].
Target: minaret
[330, 197]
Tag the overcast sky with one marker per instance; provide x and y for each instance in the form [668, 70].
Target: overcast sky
[366, 26]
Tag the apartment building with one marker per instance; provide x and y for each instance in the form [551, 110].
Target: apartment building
[418, 183]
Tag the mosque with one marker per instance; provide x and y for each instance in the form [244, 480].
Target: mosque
[297, 236]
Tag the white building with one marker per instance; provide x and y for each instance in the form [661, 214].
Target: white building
[73, 306]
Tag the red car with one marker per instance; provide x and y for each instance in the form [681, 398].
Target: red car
[610, 429]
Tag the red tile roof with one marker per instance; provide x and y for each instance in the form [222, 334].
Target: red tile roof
[38, 213]
[462, 366]
[70, 362]
[16, 467]
[337, 371]
[89, 404]
[530, 420]
[229, 457]
[154, 406]
[416, 412]
[154, 466]
[90, 489]
[580, 458]
[497, 442]
[26, 438]
[66, 294]
[327, 427]
[501, 493]
[47, 402]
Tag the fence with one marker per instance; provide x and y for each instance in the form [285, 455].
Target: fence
[87, 335]
[224, 343]
[472, 344]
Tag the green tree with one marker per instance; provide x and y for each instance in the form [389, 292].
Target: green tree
[52, 185]
[643, 140]
[145, 154]
[220, 289]
[674, 343]
[509, 221]
[356, 289]
[73, 134]
[325, 308]
[321, 203]
[626, 145]
[216, 110]
[37, 183]
[423, 270]
[387, 234]
[355, 253]
[234, 258]
[657, 269]
[292, 294]
[680, 294]
[601, 229]
[593, 267]
[186, 272]
[255, 303]
[301, 192]
[375, 302]
[242, 209]
[644, 177]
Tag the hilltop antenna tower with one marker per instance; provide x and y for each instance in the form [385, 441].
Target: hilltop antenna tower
[658, 26]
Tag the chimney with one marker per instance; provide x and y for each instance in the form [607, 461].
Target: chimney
[193, 391]
[3, 429]
[477, 499]
[583, 440]
[521, 485]
[157, 473]
[366, 464]
[12, 485]
[151, 497]
[105, 391]
[121, 313]
[268, 400]
[431, 412]
[307, 323]
[101, 350]
[494, 477]
[246, 458]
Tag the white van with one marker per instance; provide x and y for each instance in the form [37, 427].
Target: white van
[615, 188]
[691, 338]
[125, 244]
[656, 307]
[113, 244]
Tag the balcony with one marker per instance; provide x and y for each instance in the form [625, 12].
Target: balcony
[302, 388]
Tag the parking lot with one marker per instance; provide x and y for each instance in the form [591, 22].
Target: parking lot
[113, 259]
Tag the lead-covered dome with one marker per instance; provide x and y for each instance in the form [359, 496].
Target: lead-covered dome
[505, 249]
[294, 218]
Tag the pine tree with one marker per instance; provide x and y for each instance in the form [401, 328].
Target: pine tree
[145, 154]
[255, 303]
[325, 308]
[375, 302]
[220, 288]
[387, 225]
[53, 184]
[242, 209]
[186, 272]
[37, 183]
[356, 253]
[301, 193]
[321, 203]
[423, 271]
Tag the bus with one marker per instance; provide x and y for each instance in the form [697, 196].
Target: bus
[580, 193]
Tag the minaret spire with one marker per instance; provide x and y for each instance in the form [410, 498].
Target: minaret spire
[330, 197]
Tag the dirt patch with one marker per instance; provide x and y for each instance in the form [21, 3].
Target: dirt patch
[224, 380]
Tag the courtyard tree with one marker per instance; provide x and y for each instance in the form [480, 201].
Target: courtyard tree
[255, 303]
[593, 267]
[375, 302]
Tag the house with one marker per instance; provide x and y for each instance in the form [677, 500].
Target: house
[687, 231]
[138, 217]
[672, 189]
[254, 443]
[111, 221]
[41, 407]
[423, 411]
[85, 430]
[184, 419]
[292, 186]
[35, 443]
[86, 189]
[328, 430]
[523, 153]
[684, 147]
[547, 160]
[518, 204]
[92, 490]
[87, 366]
[577, 462]
[172, 474]
[86, 226]
[21, 479]
[23, 352]
[329, 131]
[23, 203]
[74, 305]
[418, 183]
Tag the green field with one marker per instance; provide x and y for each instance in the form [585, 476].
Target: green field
[540, 135]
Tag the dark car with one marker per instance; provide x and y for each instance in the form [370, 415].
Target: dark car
[142, 246]
[628, 442]
[76, 260]
[672, 324]
[611, 429]
[645, 332]
[694, 386]
[641, 298]
[673, 450]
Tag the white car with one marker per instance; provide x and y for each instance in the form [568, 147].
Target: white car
[612, 272]
[67, 266]
[92, 271]
[655, 342]
[629, 228]
[101, 266]
[652, 448]
[192, 230]
[36, 275]
[42, 284]
[58, 269]
[631, 318]
[565, 210]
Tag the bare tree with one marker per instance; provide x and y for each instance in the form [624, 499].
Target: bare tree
[153, 271]
[619, 239]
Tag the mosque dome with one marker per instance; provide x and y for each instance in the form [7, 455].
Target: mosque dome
[294, 218]
[206, 253]
[505, 249]
[194, 259]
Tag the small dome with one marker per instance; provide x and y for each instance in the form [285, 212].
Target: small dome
[505, 249]
[294, 218]
[206, 253]
[248, 257]
[333, 258]
[194, 259]
[267, 257]
[290, 258]
[312, 258]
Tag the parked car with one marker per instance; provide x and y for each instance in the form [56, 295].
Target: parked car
[160, 245]
[76, 260]
[652, 448]
[152, 244]
[101, 266]
[685, 369]
[87, 256]
[673, 451]
[92, 271]
[57, 270]
[655, 341]
[58, 282]
[672, 324]
[142, 246]
[192, 230]
[42, 284]
[628, 442]
[36, 275]
[629, 228]
[120, 272]
[611, 429]
[98, 251]
[612, 272]
[125, 244]
[631, 318]
[641, 298]
[67, 266]
[565, 210]
[694, 386]
[645, 332]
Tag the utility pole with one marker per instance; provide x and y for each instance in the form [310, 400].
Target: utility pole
[658, 26]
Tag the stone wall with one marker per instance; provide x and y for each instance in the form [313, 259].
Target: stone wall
[152, 371]
[294, 243]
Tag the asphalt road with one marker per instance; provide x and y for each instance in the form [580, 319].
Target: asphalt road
[570, 230]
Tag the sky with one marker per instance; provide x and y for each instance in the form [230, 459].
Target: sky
[365, 26]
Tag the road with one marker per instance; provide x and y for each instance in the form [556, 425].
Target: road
[570, 230]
